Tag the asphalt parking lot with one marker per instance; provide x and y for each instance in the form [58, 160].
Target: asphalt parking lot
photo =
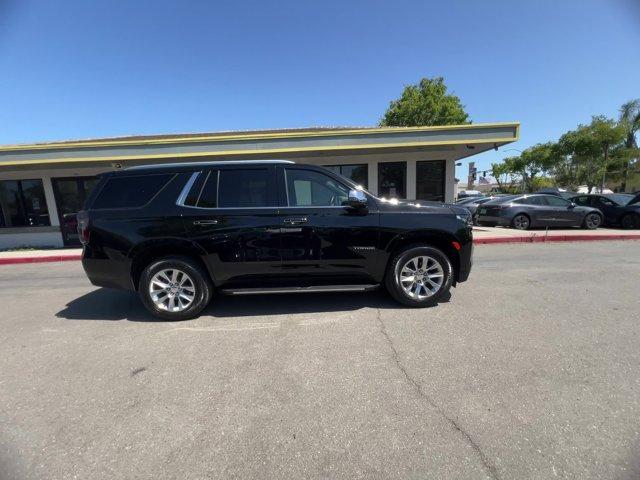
[531, 370]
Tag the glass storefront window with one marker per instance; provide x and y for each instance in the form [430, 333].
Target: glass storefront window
[23, 204]
[392, 179]
[358, 173]
[430, 180]
[71, 193]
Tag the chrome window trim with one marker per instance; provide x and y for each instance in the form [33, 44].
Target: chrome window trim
[194, 176]
[202, 189]
[185, 190]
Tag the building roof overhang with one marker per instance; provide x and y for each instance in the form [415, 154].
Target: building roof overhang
[457, 141]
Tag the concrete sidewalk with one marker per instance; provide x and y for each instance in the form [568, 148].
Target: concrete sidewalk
[490, 235]
[481, 235]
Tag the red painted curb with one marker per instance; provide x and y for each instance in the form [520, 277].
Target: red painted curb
[48, 258]
[552, 238]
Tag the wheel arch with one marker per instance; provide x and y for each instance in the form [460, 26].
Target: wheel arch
[144, 253]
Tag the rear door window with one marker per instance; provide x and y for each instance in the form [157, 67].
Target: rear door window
[583, 201]
[554, 201]
[132, 191]
[246, 188]
[204, 192]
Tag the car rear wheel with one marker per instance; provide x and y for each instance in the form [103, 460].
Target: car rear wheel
[521, 222]
[592, 221]
[419, 276]
[175, 288]
[631, 221]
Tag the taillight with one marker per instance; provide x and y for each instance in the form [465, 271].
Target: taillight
[83, 226]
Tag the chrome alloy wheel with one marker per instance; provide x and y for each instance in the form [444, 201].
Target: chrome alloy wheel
[592, 220]
[421, 277]
[172, 290]
[521, 222]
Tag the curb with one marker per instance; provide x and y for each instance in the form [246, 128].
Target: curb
[476, 241]
[45, 259]
[552, 238]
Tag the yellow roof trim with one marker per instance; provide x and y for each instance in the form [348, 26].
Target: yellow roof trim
[251, 136]
[124, 158]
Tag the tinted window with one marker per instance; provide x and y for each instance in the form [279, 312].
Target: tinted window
[307, 187]
[208, 197]
[130, 191]
[583, 201]
[245, 188]
[604, 202]
[554, 201]
[524, 201]
[196, 189]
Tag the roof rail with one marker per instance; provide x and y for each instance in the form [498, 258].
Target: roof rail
[207, 164]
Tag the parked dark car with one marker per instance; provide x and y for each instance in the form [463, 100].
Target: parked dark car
[178, 233]
[529, 211]
[618, 209]
[472, 206]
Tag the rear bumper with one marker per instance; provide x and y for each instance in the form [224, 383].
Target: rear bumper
[465, 255]
[106, 272]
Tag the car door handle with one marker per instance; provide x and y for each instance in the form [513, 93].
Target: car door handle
[295, 220]
[205, 222]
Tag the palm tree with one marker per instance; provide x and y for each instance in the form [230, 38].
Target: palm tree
[630, 118]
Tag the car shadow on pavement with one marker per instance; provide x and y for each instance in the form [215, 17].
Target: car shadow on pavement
[108, 304]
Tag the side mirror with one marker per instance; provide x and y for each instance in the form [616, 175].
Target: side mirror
[572, 205]
[357, 199]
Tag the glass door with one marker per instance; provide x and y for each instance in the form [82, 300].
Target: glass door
[71, 193]
[392, 179]
[430, 180]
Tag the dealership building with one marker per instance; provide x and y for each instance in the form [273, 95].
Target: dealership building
[43, 185]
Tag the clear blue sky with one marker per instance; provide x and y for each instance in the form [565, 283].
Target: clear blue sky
[76, 69]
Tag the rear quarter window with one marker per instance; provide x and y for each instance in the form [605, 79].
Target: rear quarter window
[131, 191]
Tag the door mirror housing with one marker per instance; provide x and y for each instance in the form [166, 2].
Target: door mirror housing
[357, 199]
[572, 205]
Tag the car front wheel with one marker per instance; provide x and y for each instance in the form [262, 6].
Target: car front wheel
[175, 288]
[631, 221]
[521, 222]
[592, 221]
[419, 276]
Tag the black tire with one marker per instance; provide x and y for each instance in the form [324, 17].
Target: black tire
[521, 222]
[630, 221]
[398, 261]
[200, 281]
[592, 220]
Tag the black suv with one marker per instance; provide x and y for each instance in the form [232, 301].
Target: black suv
[176, 233]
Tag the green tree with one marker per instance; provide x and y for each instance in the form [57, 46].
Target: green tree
[426, 103]
[588, 150]
[630, 121]
[527, 167]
